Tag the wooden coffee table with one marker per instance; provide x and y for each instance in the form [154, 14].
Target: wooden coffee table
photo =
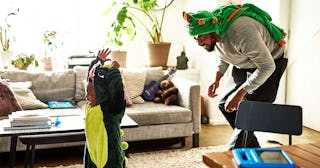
[69, 124]
[304, 155]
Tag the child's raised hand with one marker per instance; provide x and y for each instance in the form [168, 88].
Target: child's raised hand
[103, 54]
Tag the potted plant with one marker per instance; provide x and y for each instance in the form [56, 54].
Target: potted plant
[131, 11]
[5, 38]
[51, 43]
[22, 61]
[118, 39]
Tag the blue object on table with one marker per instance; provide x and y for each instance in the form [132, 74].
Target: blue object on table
[57, 122]
[262, 158]
[60, 104]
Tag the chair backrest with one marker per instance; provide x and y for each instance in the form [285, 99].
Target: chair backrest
[268, 117]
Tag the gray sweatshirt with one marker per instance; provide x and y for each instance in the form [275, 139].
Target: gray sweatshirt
[248, 44]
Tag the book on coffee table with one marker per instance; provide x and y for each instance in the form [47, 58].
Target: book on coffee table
[30, 119]
[29, 115]
[10, 128]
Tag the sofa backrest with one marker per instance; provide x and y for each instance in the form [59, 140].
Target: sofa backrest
[46, 86]
[66, 84]
[81, 72]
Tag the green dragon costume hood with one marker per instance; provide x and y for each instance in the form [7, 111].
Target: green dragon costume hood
[219, 20]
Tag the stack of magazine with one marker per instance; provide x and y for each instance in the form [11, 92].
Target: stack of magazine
[31, 119]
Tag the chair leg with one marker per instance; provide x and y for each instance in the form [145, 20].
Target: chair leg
[290, 139]
[26, 161]
[245, 138]
[32, 155]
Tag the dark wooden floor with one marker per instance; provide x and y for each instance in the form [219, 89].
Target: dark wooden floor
[209, 136]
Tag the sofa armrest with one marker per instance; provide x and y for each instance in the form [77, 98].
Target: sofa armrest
[189, 97]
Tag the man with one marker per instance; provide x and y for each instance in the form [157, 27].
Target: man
[244, 37]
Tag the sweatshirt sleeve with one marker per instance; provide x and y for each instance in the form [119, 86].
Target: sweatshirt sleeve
[252, 45]
[222, 66]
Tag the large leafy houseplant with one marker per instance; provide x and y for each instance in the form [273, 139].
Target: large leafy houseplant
[120, 35]
[133, 12]
[128, 14]
[118, 39]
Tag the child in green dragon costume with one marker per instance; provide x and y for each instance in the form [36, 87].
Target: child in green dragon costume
[104, 111]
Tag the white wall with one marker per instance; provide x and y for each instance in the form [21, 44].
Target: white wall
[304, 52]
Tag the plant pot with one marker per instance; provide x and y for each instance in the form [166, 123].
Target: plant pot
[120, 56]
[47, 64]
[23, 68]
[157, 54]
[5, 57]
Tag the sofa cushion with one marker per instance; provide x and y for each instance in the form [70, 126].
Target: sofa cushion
[8, 101]
[157, 113]
[81, 73]
[25, 97]
[126, 94]
[46, 86]
[28, 100]
[134, 80]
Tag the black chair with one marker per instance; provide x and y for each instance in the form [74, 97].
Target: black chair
[268, 117]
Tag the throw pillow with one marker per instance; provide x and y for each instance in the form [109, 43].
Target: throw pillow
[8, 101]
[81, 74]
[28, 100]
[20, 85]
[134, 82]
[126, 94]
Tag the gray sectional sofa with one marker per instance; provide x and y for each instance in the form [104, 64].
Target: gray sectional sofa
[156, 121]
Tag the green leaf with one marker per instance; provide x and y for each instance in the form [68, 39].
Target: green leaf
[122, 15]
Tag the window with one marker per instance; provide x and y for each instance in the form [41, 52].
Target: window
[80, 24]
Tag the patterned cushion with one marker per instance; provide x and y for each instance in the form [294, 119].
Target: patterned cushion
[8, 101]
[25, 97]
[126, 94]
[28, 100]
[135, 80]
[81, 74]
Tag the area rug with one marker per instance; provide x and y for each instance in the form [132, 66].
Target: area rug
[177, 158]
